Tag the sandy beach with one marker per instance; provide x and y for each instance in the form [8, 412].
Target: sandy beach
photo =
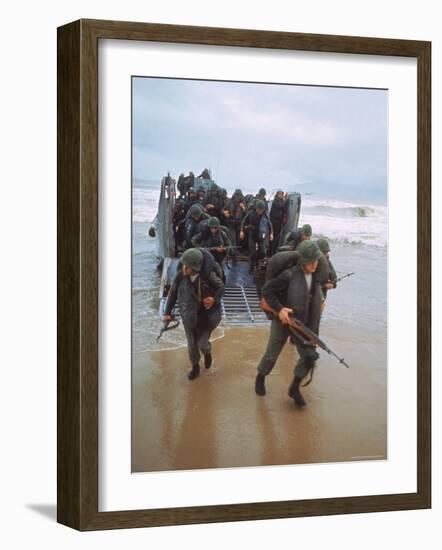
[217, 420]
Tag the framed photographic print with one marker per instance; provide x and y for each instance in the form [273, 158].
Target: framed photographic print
[243, 274]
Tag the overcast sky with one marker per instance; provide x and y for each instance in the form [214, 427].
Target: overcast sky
[329, 141]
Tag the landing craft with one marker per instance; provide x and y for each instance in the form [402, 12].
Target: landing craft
[240, 304]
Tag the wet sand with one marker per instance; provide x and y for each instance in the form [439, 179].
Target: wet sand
[217, 420]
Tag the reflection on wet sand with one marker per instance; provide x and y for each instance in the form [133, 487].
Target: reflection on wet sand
[217, 420]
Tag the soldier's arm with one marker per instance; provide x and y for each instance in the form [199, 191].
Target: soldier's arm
[218, 286]
[244, 220]
[172, 296]
[197, 240]
[289, 237]
[333, 275]
[270, 222]
[188, 230]
[225, 238]
[273, 288]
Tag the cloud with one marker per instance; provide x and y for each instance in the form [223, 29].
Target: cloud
[258, 133]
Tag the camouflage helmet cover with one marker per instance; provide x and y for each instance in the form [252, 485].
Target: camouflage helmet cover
[195, 211]
[308, 252]
[324, 247]
[192, 258]
[213, 222]
[306, 229]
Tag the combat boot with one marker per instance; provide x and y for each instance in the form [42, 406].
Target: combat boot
[294, 392]
[260, 388]
[194, 373]
[208, 360]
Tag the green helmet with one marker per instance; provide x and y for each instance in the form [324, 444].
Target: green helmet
[306, 229]
[260, 204]
[201, 188]
[213, 222]
[195, 211]
[223, 192]
[262, 191]
[308, 252]
[237, 192]
[324, 247]
[192, 258]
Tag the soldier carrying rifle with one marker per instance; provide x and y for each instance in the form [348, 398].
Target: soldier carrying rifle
[294, 295]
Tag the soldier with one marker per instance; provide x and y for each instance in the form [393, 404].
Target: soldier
[260, 196]
[236, 206]
[196, 215]
[223, 198]
[278, 213]
[259, 233]
[181, 185]
[295, 291]
[205, 174]
[212, 202]
[330, 283]
[294, 238]
[190, 180]
[199, 299]
[191, 198]
[215, 239]
[200, 196]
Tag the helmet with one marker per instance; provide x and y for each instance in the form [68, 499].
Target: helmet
[195, 211]
[308, 252]
[260, 204]
[192, 258]
[262, 191]
[306, 229]
[213, 222]
[324, 247]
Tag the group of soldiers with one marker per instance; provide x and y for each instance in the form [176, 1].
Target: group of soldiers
[227, 225]
[297, 279]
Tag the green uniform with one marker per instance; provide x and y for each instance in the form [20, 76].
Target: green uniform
[290, 289]
[198, 322]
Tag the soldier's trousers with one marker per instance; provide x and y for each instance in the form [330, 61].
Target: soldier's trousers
[198, 337]
[257, 249]
[278, 337]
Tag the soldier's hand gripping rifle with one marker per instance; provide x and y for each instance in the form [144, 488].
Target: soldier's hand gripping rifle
[298, 327]
[170, 324]
[299, 330]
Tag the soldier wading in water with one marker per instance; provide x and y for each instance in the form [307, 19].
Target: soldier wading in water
[293, 292]
[198, 289]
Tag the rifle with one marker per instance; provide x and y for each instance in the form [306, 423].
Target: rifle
[167, 325]
[343, 277]
[301, 331]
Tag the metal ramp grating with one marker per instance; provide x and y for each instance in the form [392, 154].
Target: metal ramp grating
[240, 305]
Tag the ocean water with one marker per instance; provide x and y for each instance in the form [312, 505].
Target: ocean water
[357, 233]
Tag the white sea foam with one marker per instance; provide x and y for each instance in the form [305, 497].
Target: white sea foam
[145, 203]
[346, 222]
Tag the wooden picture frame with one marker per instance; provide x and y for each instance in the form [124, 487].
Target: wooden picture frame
[77, 225]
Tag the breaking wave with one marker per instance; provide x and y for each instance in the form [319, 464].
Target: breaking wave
[346, 223]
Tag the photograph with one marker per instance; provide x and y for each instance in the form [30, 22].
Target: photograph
[259, 274]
